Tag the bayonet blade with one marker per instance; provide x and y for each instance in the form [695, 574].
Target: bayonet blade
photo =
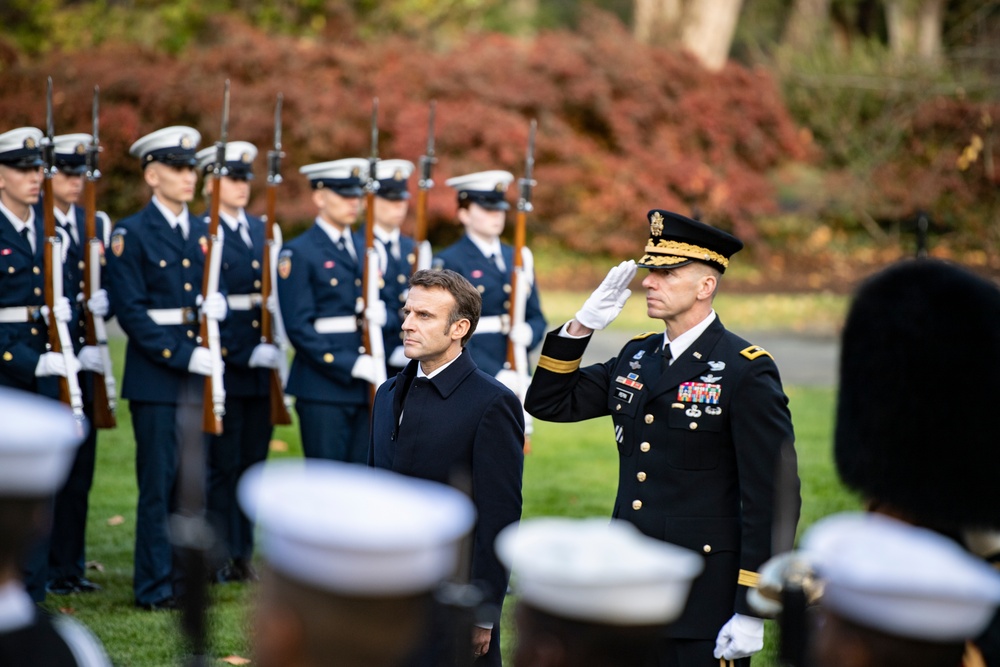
[374, 129]
[220, 146]
[430, 130]
[275, 154]
[277, 123]
[95, 111]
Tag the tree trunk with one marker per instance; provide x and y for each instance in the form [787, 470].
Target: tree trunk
[915, 28]
[807, 23]
[708, 29]
[656, 21]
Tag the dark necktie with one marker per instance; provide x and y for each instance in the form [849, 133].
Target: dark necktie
[497, 261]
[666, 357]
[25, 235]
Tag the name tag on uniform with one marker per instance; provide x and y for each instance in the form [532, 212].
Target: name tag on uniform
[623, 395]
[699, 392]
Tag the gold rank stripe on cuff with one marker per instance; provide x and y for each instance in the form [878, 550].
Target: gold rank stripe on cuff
[558, 365]
[748, 578]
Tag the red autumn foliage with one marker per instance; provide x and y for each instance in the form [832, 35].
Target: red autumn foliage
[622, 127]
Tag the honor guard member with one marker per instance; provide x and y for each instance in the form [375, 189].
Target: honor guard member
[350, 587]
[24, 318]
[590, 593]
[487, 264]
[319, 292]
[396, 252]
[155, 274]
[37, 446]
[928, 464]
[67, 553]
[893, 594]
[246, 426]
[700, 420]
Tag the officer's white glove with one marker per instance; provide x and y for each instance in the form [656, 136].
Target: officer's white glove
[62, 310]
[376, 313]
[214, 306]
[398, 357]
[521, 334]
[98, 304]
[272, 303]
[364, 368]
[265, 355]
[509, 379]
[52, 363]
[740, 637]
[603, 306]
[91, 359]
[201, 362]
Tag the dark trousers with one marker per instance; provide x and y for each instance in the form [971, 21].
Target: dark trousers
[334, 432]
[246, 436]
[691, 653]
[158, 428]
[35, 567]
[69, 519]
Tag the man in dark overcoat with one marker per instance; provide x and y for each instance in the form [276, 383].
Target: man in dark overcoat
[700, 421]
[444, 420]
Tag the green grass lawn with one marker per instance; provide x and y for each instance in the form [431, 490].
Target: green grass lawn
[571, 472]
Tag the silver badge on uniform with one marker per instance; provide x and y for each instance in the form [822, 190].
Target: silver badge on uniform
[717, 365]
[711, 378]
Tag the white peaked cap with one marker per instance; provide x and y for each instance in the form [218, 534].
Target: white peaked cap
[354, 530]
[176, 137]
[900, 579]
[38, 441]
[336, 169]
[482, 181]
[236, 151]
[22, 137]
[386, 169]
[70, 144]
[595, 571]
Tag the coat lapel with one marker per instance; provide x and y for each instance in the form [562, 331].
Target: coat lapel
[693, 362]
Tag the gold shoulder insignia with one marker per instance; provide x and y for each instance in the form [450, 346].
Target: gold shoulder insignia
[645, 335]
[755, 351]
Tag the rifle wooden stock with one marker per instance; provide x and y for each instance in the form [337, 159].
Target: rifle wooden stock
[519, 240]
[211, 419]
[420, 231]
[279, 411]
[103, 409]
[366, 340]
[55, 345]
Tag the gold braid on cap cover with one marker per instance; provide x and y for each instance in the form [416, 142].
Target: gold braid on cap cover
[678, 249]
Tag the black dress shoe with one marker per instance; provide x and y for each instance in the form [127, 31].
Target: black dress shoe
[244, 570]
[165, 604]
[84, 585]
[61, 586]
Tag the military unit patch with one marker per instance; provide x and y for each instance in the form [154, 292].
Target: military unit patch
[699, 392]
[284, 266]
[118, 244]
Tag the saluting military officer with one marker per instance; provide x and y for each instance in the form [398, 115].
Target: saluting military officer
[154, 274]
[487, 264]
[24, 319]
[319, 292]
[396, 252]
[246, 426]
[700, 420]
[67, 553]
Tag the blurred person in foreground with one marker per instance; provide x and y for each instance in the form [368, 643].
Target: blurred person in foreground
[37, 445]
[914, 448]
[590, 593]
[352, 557]
[702, 428]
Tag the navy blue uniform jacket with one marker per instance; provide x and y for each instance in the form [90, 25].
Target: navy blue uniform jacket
[461, 421]
[152, 267]
[317, 279]
[692, 472]
[490, 349]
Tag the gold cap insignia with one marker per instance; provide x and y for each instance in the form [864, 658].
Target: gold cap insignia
[500, 187]
[81, 149]
[246, 158]
[185, 142]
[656, 224]
[29, 143]
[398, 175]
[356, 172]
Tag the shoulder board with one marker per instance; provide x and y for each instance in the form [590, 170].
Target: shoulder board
[645, 335]
[755, 351]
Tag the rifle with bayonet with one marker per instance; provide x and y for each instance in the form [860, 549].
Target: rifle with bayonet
[272, 328]
[371, 334]
[95, 332]
[521, 278]
[214, 401]
[427, 160]
[59, 338]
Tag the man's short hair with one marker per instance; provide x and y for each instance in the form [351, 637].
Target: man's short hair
[468, 300]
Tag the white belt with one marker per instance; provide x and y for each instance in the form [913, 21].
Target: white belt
[14, 314]
[343, 324]
[244, 301]
[173, 316]
[493, 324]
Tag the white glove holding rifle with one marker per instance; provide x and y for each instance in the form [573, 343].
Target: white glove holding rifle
[54, 363]
[376, 313]
[740, 637]
[99, 305]
[62, 309]
[201, 362]
[91, 359]
[607, 301]
[214, 306]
